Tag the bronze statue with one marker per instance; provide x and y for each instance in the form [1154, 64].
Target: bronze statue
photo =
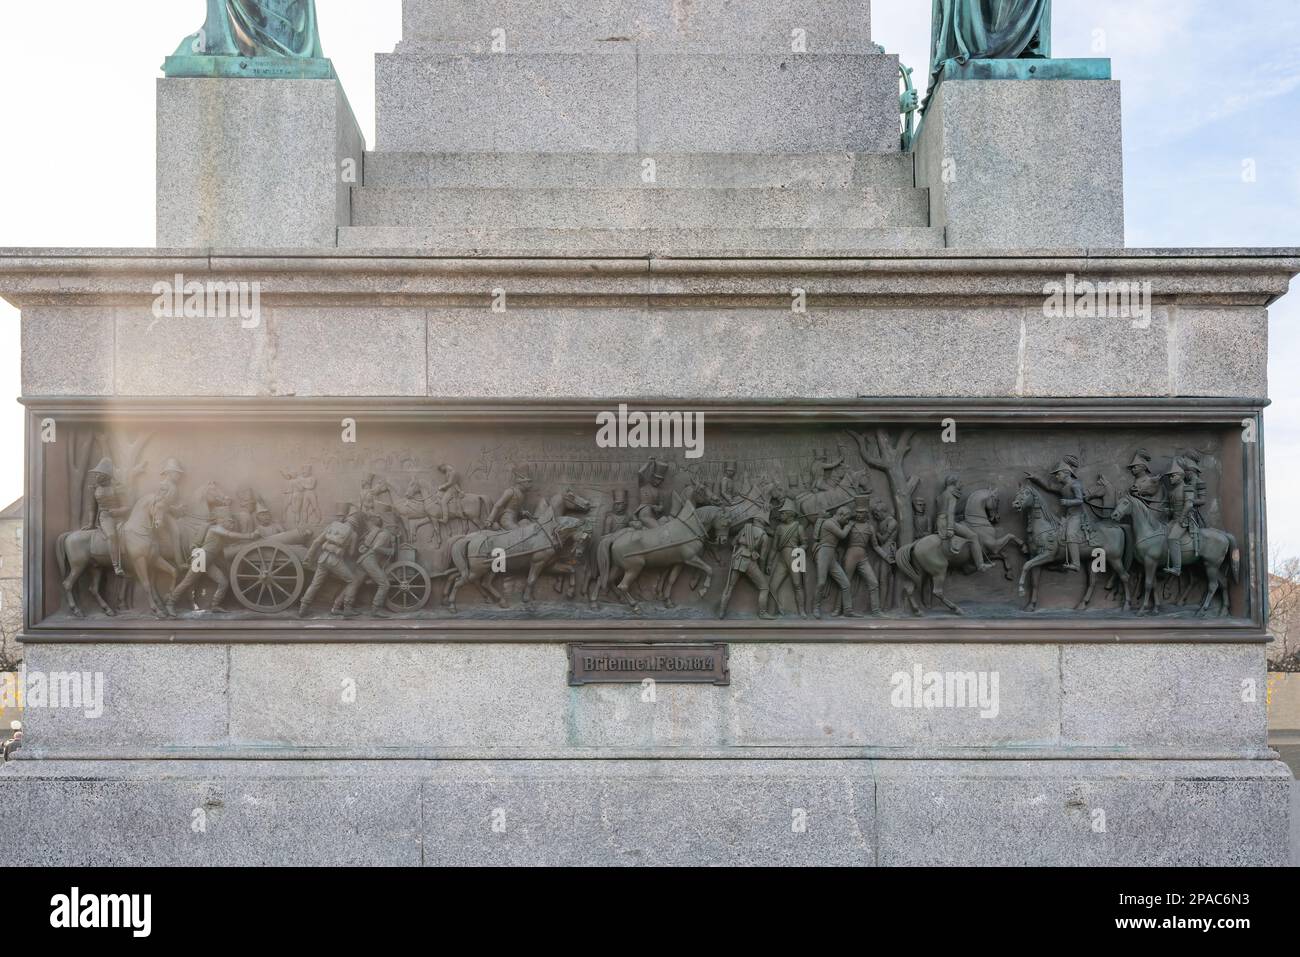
[964, 30]
[256, 28]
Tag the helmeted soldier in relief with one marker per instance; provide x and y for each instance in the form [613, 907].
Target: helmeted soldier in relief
[1146, 486]
[332, 552]
[1077, 525]
[829, 533]
[783, 561]
[266, 525]
[747, 552]
[108, 509]
[221, 530]
[952, 529]
[509, 509]
[861, 549]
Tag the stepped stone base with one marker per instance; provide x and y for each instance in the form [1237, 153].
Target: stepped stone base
[621, 101]
[668, 812]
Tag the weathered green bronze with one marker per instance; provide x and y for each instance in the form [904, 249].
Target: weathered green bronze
[254, 38]
[966, 30]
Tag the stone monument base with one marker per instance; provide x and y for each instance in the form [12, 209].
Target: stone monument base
[785, 809]
[252, 162]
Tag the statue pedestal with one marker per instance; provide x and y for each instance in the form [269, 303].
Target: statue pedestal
[1024, 163]
[243, 67]
[255, 162]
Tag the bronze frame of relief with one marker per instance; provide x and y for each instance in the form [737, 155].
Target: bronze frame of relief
[1245, 499]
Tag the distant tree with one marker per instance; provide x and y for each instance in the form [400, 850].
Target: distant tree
[1284, 614]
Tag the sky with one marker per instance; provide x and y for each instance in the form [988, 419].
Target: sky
[1208, 88]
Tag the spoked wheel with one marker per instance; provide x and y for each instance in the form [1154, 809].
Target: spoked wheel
[266, 578]
[409, 587]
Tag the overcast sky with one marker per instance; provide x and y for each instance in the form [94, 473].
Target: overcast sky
[1207, 85]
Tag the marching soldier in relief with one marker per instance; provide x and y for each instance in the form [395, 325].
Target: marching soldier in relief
[222, 529]
[747, 551]
[788, 558]
[377, 550]
[332, 552]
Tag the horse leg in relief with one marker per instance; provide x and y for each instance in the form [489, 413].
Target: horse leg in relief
[96, 579]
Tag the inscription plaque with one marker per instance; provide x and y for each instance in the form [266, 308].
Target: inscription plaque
[632, 664]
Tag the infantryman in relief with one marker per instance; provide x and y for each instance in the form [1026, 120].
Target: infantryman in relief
[169, 494]
[781, 564]
[828, 534]
[332, 552]
[652, 501]
[886, 548]
[266, 526]
[509, 509]
[615, 521]
[1065, 483]
[857, 559]
[108, 509]
[953, 530]
[751, 544]
[378, 546]
[222, 529]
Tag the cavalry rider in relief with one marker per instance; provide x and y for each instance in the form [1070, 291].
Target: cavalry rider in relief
[509, 509]
[651, 503]
[1065, 483]
[1182, 509]
[951, 529]
[108, 509]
